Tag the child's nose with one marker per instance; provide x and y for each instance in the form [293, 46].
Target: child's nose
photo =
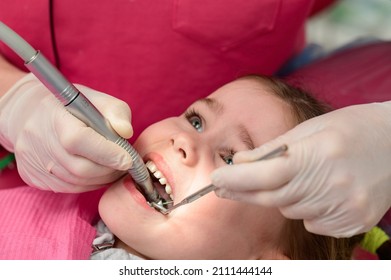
[186, 148]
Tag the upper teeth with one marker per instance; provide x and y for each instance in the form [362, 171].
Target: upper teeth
[159, 175]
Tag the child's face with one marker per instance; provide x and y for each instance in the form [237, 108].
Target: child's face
[186, 149]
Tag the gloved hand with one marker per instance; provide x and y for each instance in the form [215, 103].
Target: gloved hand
[336, 174]
[53, 149]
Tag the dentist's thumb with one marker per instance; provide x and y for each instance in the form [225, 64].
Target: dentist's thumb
[248, 179]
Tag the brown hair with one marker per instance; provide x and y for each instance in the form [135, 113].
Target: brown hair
[296, 242]
[303, 105]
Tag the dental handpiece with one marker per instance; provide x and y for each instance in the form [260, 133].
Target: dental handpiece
[78, 105]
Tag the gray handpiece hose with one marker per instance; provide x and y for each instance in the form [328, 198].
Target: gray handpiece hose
[78, 105]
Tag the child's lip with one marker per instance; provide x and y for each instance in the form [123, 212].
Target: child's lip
[130, 185]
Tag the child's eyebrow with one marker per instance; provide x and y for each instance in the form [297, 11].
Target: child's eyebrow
[245, 137]
[215, 106]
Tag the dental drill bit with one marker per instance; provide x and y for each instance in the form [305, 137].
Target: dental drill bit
[78, 105]
[200, 193]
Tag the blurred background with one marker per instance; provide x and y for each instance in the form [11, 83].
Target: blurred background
[348, 20]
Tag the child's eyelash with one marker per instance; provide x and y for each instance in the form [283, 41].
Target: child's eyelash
[227, 156]
[191, 112]
[195, 119]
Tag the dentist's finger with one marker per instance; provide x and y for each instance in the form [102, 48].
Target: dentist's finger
[254, 176]
[78, 139]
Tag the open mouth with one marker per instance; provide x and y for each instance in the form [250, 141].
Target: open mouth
[160, 183]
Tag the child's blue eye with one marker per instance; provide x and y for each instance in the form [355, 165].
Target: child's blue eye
[194, 119]
[228, 157]
[196, 123]
[229, 160]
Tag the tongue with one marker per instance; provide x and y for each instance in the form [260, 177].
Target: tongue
[160, 189]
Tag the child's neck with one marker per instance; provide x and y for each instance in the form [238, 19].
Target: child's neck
[120, 244]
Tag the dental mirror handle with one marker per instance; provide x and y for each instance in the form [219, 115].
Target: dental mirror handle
[77, 104]
[198, 194]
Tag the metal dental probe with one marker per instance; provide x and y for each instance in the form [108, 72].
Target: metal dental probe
[78, 105]
[198, 194]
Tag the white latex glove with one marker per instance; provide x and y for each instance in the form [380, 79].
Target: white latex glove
[53, 149]
[336, 174]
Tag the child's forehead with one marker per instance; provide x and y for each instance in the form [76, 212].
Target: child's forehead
[254, 105]
[244, 85]
[244, 90]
